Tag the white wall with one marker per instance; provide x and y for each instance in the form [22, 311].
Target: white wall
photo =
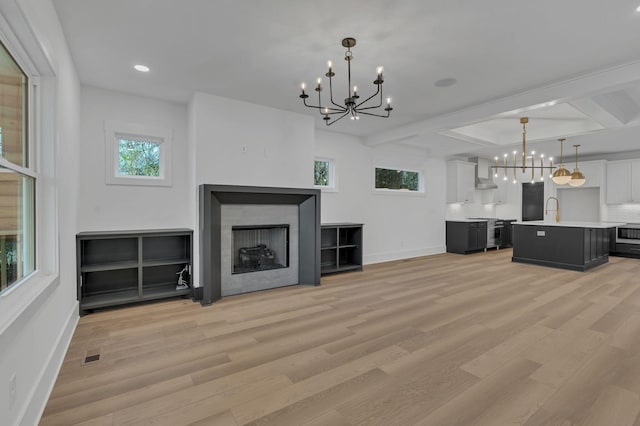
[105, 207]
[396, 225]
[238, 143]
[37, 318]
[629, 213]
[579, 204]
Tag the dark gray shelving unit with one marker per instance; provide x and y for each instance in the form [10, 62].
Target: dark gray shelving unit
[119, 267]
[340, 247]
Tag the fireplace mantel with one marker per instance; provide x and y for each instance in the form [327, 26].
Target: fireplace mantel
[211, 199]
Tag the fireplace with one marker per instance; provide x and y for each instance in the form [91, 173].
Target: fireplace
[281, 245]
[259, 248]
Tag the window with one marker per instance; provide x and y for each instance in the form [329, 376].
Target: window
[397, 179]
[324, 174]
[17, 178]
[137, 155]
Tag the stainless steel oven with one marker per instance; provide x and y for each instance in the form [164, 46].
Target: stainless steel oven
[498, 232]
[628, 234]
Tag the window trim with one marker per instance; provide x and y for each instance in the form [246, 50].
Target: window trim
[402, 192]
[114, 130]
[333, 175]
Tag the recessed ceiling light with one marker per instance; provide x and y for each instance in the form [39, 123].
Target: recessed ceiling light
[445, 82]
[141, 68]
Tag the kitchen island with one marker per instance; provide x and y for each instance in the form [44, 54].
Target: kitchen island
[577, 246]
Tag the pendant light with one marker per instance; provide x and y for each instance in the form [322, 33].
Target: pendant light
[561, 176]
[577, 177]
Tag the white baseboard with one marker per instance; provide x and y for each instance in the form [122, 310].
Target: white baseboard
[40, 394]
[405, 254]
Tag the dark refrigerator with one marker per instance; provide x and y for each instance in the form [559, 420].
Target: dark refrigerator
[533, 201]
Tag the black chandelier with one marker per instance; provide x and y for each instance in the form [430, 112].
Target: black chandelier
[351, 105]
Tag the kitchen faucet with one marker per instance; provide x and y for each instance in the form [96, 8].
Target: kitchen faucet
[557, 210]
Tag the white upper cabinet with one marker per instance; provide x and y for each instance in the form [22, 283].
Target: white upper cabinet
[499, 195]
[461, 181]
[623, 182]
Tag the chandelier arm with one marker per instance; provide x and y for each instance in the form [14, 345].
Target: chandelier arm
[371, 107]
[341, 109]
[338, 119]
[371, 97]
[337, 112]
[375, 115]
[519, 167]
[331, 96]
[319, 100]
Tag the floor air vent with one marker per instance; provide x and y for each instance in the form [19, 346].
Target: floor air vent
[91, 358]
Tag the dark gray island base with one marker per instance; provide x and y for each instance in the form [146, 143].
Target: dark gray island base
[575, 247]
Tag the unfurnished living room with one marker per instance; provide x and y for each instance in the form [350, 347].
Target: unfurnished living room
[244, 212]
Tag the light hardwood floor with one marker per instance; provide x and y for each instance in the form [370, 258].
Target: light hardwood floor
[438, 340]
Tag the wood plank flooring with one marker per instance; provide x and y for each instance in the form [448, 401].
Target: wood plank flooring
[438, 340]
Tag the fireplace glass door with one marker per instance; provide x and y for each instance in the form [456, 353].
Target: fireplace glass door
[260, 248]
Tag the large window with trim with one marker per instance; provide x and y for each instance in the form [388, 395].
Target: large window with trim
[17, 176]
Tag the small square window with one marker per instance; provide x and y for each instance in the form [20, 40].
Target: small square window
[137, 155]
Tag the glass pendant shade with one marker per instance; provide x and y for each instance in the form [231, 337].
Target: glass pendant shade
[561, 176]
[577, 178]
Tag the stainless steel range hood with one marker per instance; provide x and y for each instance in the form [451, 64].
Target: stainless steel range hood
[483, 173]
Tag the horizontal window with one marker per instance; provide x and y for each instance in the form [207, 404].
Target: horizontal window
[400, 180]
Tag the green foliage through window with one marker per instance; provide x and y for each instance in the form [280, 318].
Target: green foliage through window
[321, 173]
[397, 179]
[138, 157]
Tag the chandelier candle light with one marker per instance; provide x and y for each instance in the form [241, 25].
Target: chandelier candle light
[334, 112]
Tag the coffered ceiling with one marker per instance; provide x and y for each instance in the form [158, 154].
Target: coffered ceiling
[565, 63]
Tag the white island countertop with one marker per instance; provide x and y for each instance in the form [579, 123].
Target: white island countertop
[570, 224]
[465, 220]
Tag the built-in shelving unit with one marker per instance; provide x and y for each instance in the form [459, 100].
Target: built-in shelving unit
[340, 247]
[119, 267]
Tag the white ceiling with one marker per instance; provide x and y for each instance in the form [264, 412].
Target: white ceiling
[504, 54]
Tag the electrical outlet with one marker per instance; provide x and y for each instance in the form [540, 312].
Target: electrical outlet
[12, 390]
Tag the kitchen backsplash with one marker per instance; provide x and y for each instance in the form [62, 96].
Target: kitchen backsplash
[624, 213]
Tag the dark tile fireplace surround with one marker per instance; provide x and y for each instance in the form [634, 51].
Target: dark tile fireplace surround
[211, 199]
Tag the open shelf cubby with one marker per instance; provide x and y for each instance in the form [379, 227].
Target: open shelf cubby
[340, 247]
[120, 267]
